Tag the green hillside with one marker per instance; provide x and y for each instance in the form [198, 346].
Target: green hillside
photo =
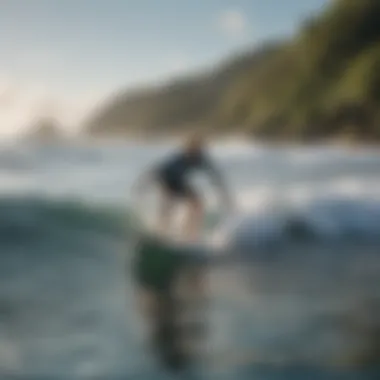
[325, 83]
[181, 103]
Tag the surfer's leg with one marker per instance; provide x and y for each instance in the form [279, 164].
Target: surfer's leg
[195, 277]
[194, 218]
[148, 303]
[165, 212]
[193, 232]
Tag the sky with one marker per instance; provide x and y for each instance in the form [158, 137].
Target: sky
[62, 58]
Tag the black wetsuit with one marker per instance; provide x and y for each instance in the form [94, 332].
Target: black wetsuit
[174, 173]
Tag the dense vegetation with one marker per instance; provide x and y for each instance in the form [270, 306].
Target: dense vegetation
[325, 83]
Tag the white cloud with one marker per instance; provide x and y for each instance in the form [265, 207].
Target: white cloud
[232, 23]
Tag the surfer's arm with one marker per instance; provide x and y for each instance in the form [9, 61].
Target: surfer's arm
[146, 179]
[219, 183]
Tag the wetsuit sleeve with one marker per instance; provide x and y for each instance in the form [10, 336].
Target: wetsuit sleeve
[145, 180]
[215, 175]
[226, 200]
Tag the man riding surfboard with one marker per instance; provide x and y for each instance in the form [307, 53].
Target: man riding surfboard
[161, 266]
[173, 177]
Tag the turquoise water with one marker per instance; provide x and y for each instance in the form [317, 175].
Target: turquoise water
[301, 300]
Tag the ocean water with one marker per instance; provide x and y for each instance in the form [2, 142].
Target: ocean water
[300, 300]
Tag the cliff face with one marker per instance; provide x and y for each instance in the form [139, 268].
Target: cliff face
[324, 83]
[44, 130]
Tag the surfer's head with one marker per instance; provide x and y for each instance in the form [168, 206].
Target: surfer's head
[194, 144]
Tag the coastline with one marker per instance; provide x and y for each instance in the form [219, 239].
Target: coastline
[84, 138]
[234, 138]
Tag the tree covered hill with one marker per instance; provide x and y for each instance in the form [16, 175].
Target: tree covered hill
[324, 83]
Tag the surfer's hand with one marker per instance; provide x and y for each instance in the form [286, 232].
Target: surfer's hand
[142, 184]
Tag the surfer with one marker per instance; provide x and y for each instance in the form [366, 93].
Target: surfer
[159, 281]
[173, 177]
